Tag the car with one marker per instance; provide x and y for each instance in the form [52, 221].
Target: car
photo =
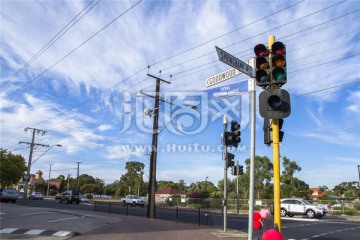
[57, 196]
[36, 196]
[293, 206]
[84, 200]
[70, 196]
[8, 195]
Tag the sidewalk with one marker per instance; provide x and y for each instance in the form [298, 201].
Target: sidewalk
[133, 227]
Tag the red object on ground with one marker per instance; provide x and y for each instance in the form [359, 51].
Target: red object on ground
[272, 234]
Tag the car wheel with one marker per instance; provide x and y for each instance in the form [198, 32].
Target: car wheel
[124, 203]
[283, 212]
[77, 202]
[291, 215]
[134, 204]
[310, 214]
[14, 201]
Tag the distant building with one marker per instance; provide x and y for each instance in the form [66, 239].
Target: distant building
[34, 179]
[317, 193]
[162, 195]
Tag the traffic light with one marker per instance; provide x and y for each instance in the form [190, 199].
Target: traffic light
[274, 104]
[230, 159]
[268, 140]
[233, 138]
[241, 170]
[262, 65]
[234, 170]
[278, 60]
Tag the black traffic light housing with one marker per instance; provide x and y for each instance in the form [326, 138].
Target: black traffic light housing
[262, 65]
[241, 170]
[268, 140]
[230, 159]
[274, 104]
[278, 59]
[234, 170]
[233, 138]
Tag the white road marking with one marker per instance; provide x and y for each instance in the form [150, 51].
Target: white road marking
[61, 233]
[62, 219]
[34, 232]
[8, 230]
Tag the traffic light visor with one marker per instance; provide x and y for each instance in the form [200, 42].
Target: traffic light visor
[260, 50]
[278, 48]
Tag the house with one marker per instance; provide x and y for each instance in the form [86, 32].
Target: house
[162, 195]
[317, 193]
[35, 178]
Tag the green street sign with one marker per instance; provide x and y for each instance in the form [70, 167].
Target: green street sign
[26, 177]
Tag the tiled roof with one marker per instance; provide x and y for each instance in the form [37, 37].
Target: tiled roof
[170, 191]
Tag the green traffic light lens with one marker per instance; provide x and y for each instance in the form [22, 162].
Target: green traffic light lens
[274, 102]
[279, 75]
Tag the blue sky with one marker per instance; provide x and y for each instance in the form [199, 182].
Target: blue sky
[84, 88]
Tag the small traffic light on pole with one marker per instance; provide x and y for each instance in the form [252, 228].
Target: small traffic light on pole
[268, 140]
[233, 138]
[262, 66]
[234, 170]
[241, 170]
[230, 159]
[279, 76]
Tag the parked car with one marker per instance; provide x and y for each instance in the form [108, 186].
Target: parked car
[70, 196]
[36, 196]
[132, 200]
[292, 207]
[57, 196]
[84, 200]
[8, 195]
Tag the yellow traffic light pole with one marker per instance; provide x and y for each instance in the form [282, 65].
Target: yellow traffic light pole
[276, 153]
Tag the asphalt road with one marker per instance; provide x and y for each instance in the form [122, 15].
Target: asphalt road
[70, 220]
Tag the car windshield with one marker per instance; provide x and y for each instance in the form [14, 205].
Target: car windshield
[306, 202]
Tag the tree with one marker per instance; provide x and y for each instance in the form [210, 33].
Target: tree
[290, 185]
[132, 181]
[263, 172]
[12, 168]
[347, 189]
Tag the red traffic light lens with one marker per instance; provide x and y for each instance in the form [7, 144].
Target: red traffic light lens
[260, 50]
[278, 48]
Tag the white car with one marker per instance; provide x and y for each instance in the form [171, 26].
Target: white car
[84, 200]
[36, 195]
[292, 207]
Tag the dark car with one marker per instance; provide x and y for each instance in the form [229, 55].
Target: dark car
[70, 196]
[8, 195]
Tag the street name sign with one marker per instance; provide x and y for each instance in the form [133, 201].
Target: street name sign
[230, 90]
[235, 62]
[221, 77]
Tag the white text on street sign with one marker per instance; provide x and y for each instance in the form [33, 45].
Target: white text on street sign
[234, 89]
[221, 77]
[235, 62]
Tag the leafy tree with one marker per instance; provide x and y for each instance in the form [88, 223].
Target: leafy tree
[165, 184]
[348, 189]
[263, 175]
[290, 185]
[91, 188]
[132, 180]
[12, 168]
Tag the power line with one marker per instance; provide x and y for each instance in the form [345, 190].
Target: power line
[79, 46]
[53, 40]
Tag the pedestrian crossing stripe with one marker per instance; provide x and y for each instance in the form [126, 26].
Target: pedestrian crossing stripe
[41, 232]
